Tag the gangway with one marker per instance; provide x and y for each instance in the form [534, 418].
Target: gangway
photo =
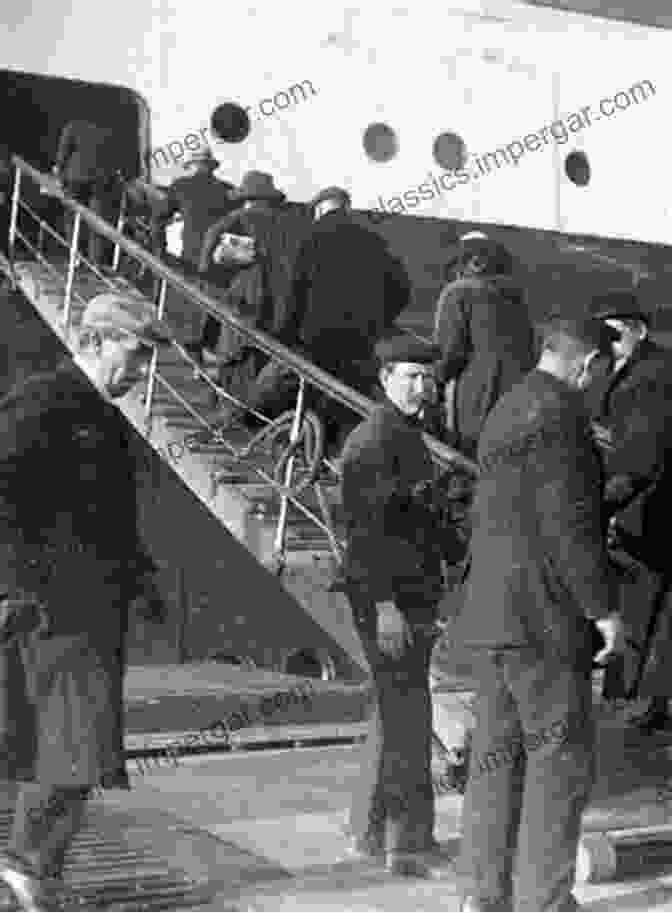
[275, 492]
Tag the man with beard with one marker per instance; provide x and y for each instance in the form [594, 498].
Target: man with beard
[485, 334]
[71, 562]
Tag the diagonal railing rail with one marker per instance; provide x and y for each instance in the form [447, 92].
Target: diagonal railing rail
[164, 278]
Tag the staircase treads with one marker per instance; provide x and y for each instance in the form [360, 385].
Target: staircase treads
[105, 872]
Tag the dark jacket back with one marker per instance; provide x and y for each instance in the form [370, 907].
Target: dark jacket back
[347, 288]
[202, 200]
[487, 342]
[87, 152]
[261, 292]
[538, 556]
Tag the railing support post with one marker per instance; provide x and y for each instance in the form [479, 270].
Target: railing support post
[72, 265]
[121, 222]
[151, 378]
[11, 240]
[280, 533]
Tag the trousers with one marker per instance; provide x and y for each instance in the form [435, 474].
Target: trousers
[530, 774]
[103, 197]
[393, 800]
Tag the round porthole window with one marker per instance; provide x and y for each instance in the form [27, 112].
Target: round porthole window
[380, 142]
[230, 123]
[450, 151]
[577, 168]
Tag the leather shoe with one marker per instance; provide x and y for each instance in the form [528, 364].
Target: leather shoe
[413, 865]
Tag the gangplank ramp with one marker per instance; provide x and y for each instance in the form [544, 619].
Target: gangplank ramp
[263, 529]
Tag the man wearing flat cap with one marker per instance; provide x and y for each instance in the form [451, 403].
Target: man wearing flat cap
[394, 584]
[71, 562]
[539, 575]
[632, 407]
[483, 328]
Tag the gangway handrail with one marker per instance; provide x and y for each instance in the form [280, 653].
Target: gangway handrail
[326, 383]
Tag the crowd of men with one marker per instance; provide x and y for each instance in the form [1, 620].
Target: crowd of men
[571, 431]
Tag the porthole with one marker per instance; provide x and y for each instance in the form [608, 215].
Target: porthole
[577, 168]
[450, 151]
[230, 123]
[380, 142]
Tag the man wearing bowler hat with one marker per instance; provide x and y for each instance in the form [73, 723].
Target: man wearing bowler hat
[394, 583]
[539, 574]
[632, 408]
[71, 562]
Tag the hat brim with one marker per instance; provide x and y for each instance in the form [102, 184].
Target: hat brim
[623, 314]
[242, 196]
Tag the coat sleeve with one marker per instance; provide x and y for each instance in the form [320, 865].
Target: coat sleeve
[569, 509]
[451, 332]
[372, 495]
[641, 440]
[212, 236]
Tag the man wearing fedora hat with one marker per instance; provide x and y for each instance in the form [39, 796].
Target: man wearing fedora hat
[201, 198]
[632, 408]
[267, 232]
[71, 563]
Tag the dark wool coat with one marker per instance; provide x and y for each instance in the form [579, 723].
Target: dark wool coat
[261, 291]
[87, 152]
[347, 289]
[538, 553]
[202, 200]
[393, 541]
[636, 404]
[488, 344]
[68, 536]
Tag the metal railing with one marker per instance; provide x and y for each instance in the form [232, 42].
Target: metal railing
[164, 277]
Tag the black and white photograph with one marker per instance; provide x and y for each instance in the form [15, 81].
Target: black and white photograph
[335, 437]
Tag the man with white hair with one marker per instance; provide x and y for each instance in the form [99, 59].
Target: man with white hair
[71, 562]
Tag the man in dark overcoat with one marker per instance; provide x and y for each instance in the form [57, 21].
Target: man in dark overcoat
[347, 291]
[258, 285]
[539, 573]
[487, 340]
[200, 198]
[87, 165]
[71, 561]
[394, 584]
[633, 409]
